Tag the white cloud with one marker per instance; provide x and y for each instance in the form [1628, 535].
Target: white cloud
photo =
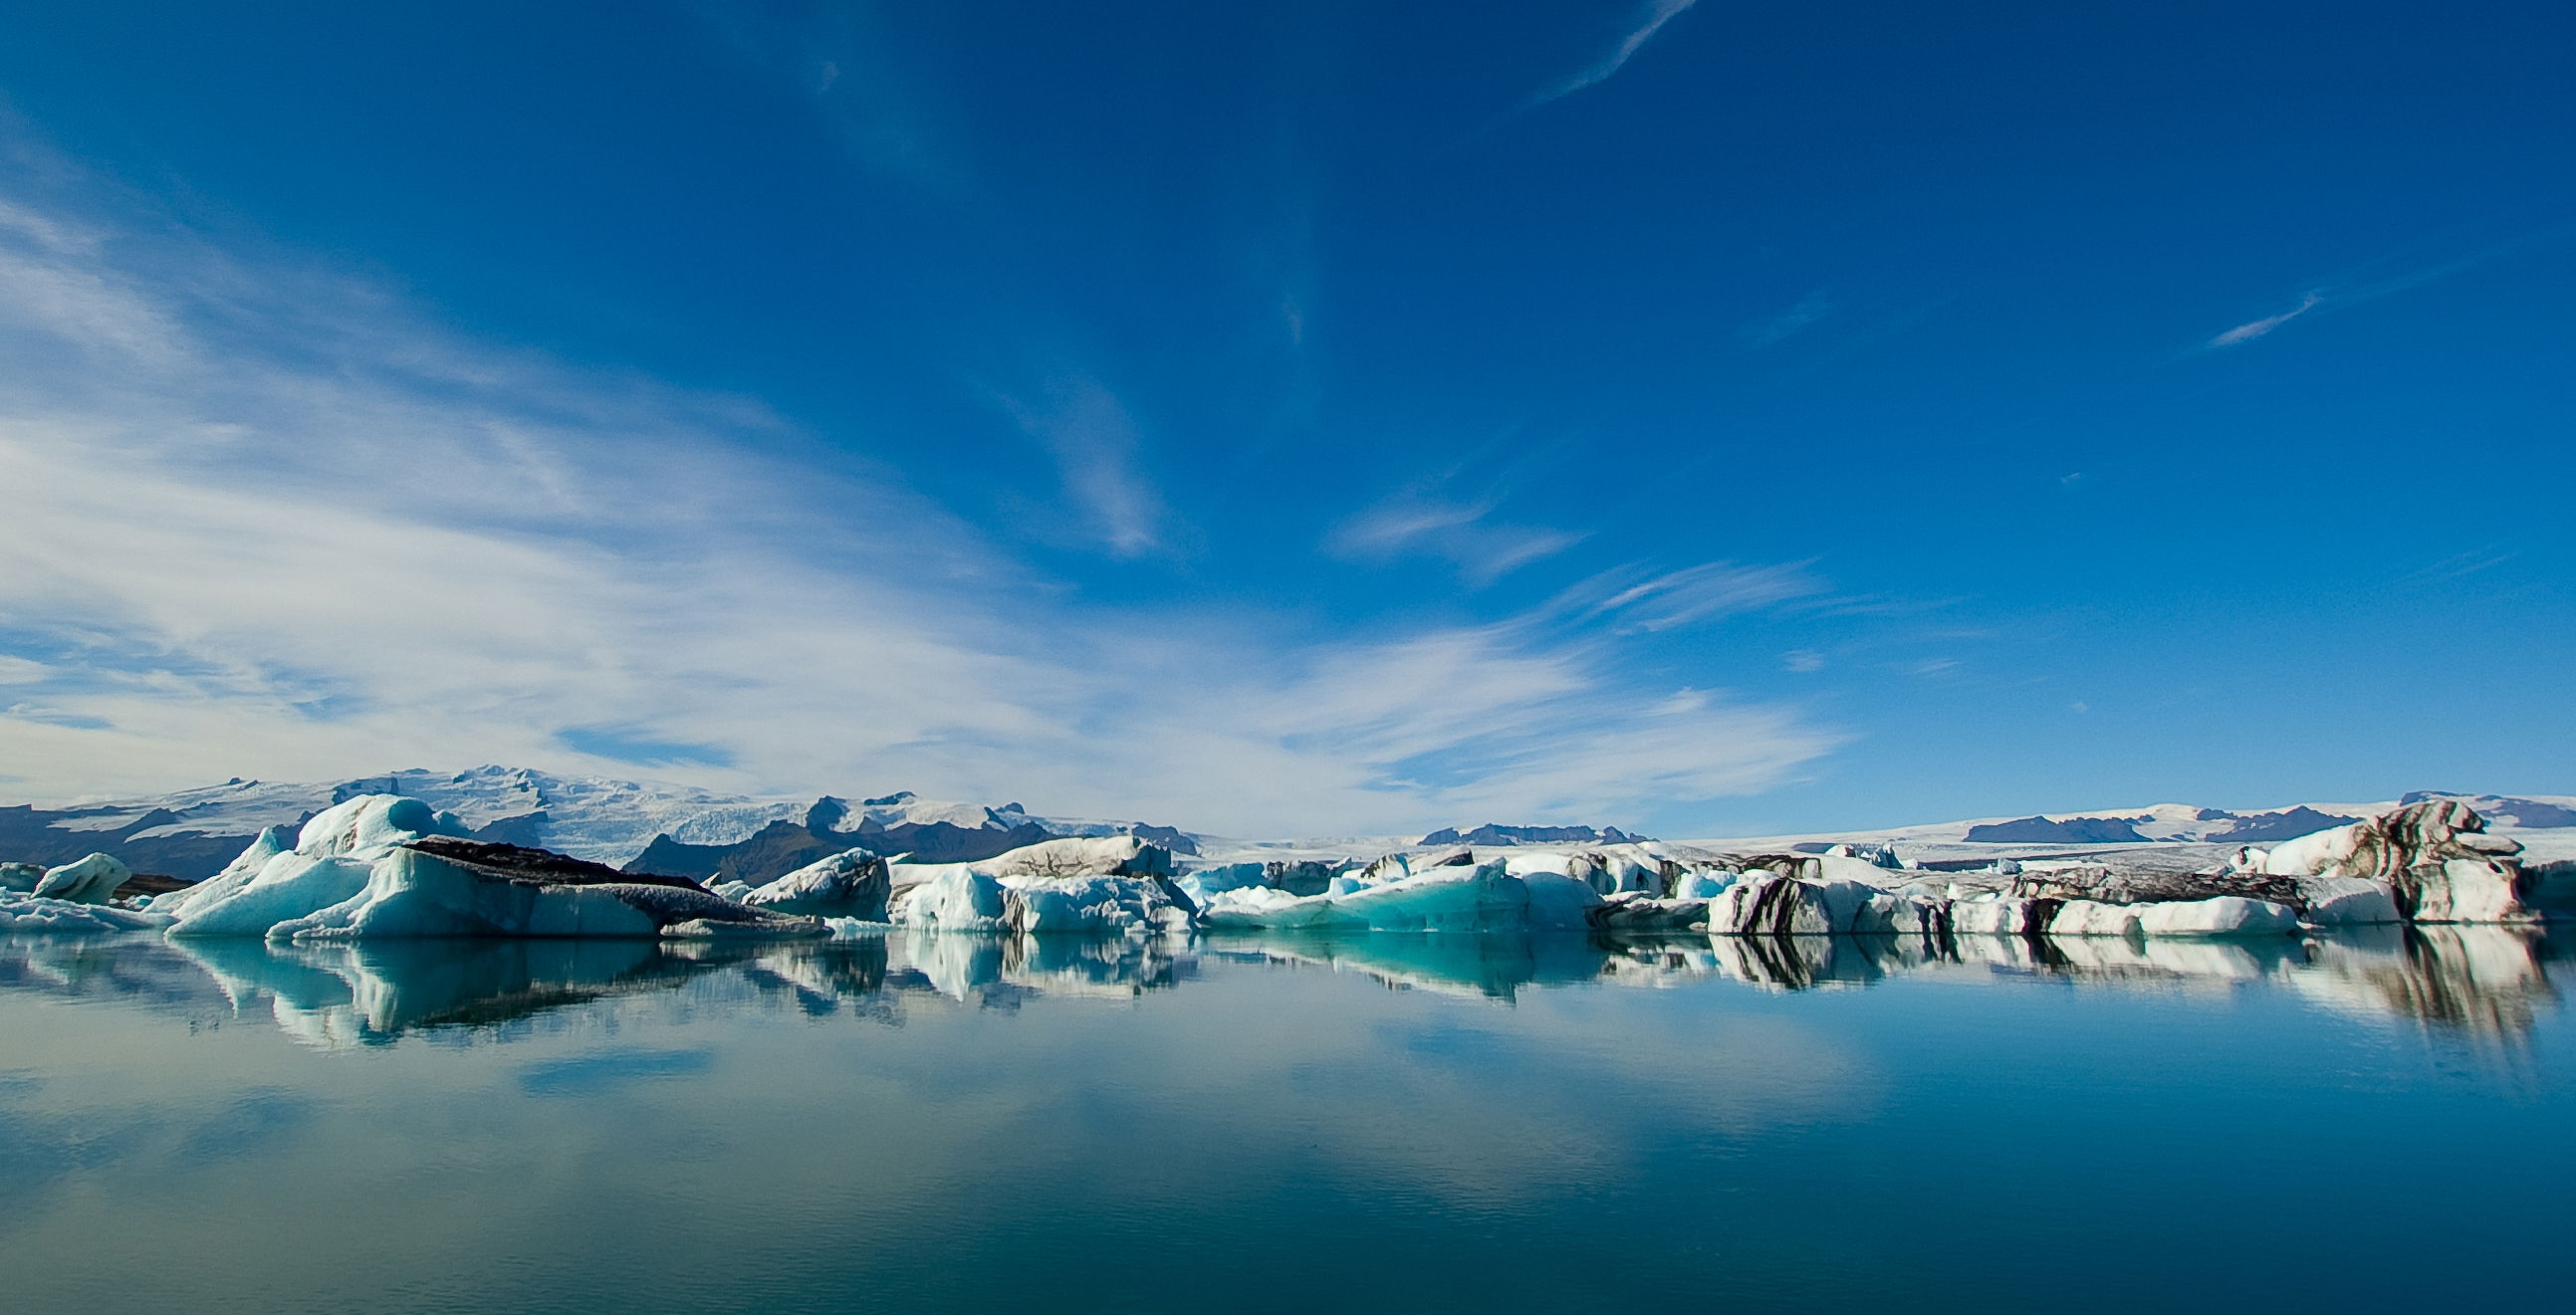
[1459, 532]
[1701, 593]
[1093, 440]
[2253, 329]
[1649, 21]
[263, 522]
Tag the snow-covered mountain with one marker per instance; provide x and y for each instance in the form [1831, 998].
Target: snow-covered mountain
[191, 833]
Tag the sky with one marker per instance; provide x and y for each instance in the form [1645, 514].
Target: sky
[1705, 418]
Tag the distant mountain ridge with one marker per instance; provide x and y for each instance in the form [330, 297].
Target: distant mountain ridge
[1493, 834]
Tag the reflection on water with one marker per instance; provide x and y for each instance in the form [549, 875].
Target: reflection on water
[2490, 981]
[1275, 1122]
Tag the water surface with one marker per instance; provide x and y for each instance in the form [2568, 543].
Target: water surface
[2378, 1122]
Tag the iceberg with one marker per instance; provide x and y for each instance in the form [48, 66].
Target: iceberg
[88, 881]
[1207, 883]
[1634, 913]
[33, 913]
[2348, 901]
[1124, 905]
[2435, 858]
[957, 899]
[390, 866]
[288, 886]
[2086, 917]
[431, 887]
[2226, 915]
[852, 884]
[271, 842]
[1770, 905]
[1994, 915]
[1447, 897]
[1097, 884]
[21, 877]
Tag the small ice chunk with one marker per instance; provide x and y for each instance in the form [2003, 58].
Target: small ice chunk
[29, 913]
[88, 881]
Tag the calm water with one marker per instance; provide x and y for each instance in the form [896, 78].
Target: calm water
[1381, 1123]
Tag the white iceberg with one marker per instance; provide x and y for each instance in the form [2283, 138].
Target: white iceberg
[288, 886]
[1124, 905]
[271, 842]
[2226, 915]
[1207, 883]
[1993, 915]
[957, 899]
[30, 913]
[2084, 917]
[2348, 901]
[389, 866]
[852, 884]
[89, 881]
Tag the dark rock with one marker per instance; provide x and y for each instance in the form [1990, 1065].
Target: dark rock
[1309, 877]
[2106, 886]
[541, 867]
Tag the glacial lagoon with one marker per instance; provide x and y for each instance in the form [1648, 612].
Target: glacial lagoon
[2359, 1121]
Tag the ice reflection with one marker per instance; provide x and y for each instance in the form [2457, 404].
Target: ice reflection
[2487, 981]
[2491, 980]
[1495, 965]
[352, 995]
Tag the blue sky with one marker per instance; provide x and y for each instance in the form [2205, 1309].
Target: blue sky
[1702, 417]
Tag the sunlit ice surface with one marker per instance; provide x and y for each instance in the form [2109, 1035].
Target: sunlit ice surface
[2370, 1121]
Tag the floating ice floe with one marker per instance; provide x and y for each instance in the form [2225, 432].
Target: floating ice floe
[21, 913]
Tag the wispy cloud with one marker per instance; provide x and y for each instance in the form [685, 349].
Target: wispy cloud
[1461, 533]
[2253, 329]
[1094, 443]
[1701, 593]
[1649, 21]
[2372, 281]
[2461, 564]
[1764, 333]
[265, 521]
